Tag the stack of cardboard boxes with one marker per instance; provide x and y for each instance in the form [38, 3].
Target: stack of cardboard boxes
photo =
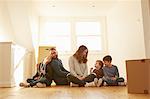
[138, 76]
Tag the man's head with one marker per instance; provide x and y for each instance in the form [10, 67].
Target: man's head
[53, 52]
[107, 60]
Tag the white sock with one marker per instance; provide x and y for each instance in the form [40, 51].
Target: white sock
[99, 82]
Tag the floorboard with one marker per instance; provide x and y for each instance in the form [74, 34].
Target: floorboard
[66, 92]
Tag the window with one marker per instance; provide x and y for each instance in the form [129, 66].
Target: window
[88, 33]
[56, 34]
[67, 34]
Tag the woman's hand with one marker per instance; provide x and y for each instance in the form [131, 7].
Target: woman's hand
[36, 78]
[81, 78]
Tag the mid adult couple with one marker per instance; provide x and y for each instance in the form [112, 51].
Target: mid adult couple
[51, 68]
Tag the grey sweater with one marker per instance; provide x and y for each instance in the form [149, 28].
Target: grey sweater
[77, 69]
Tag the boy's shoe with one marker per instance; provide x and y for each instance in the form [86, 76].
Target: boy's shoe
[95, 81]
[24, 85]
[121, 84]
[41, 85]
[73, 85]
[35, 86]
[99, 82]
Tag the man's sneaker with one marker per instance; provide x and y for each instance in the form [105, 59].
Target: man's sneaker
[73, 85]
[99, 82]
[24, 85]
[105, 84]
[95, 81]
[121, 84]
[41, 85]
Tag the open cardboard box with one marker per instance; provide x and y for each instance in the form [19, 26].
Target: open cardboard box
[138, 76]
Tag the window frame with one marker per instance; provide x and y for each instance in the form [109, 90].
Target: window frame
[73, 36]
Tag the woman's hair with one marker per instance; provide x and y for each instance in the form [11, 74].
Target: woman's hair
[79, 56]
[100, 63]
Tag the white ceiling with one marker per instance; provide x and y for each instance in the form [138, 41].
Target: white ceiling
[69, 7]
[72, 7]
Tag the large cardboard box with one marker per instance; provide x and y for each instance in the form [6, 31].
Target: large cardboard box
[43, 52]
[138, 76]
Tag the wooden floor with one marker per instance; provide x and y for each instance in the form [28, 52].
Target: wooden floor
[66, 92]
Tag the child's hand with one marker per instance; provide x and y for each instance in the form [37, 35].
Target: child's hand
[113, 78]
[37, 65]
[91, 69]
[36, 78]
[81, 78]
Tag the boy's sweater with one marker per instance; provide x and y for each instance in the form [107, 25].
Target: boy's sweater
[110, 72]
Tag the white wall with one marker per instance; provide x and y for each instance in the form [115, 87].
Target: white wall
[34, 24]
[19, 12]
[125, 33]
[6, 31]
[15, 22]
[146, 25]
[27, 65]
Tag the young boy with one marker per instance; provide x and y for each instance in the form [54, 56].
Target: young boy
[98, 71]
[111, 74]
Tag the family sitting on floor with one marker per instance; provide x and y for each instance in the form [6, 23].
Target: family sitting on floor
[51, 69]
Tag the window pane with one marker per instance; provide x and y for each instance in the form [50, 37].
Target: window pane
[92, 42]
[88, 28]
[61, 43]
[56, 34]
[57, 28]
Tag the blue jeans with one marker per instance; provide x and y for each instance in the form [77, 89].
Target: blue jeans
[33, 82]
[113, 82]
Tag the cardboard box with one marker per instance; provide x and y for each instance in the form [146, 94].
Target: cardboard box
[43, 52]
[138, 76]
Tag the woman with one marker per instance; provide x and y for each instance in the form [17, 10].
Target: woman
[43, 76]
[78, 67]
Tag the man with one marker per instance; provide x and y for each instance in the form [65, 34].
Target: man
[43, 76]
[59, 73]
[50, 69]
